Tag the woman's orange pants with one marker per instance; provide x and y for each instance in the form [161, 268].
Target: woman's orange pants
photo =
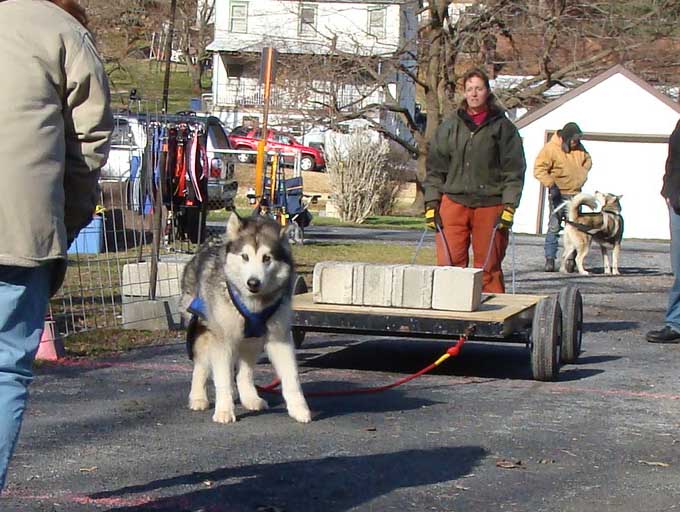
[462, 225]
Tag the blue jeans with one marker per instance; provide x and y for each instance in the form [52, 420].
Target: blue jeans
[24, 294]
[552, 237]
[673, 310]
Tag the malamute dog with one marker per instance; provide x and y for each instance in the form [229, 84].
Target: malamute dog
[237, 293]
[604, 226]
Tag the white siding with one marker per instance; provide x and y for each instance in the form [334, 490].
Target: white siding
[277, 21]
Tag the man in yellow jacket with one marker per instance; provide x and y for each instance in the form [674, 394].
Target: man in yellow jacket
[562, 166]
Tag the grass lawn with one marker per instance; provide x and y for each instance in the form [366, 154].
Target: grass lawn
[107, 341]
[147, 77]
[377, 222]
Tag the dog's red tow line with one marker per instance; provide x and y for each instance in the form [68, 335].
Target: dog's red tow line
[451, 352]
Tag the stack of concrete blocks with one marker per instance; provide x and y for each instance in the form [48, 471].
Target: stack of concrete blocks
[397, 286]
[139, 311]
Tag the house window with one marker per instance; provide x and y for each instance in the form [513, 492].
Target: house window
[238, 17]
[307, 20]
[376, 21]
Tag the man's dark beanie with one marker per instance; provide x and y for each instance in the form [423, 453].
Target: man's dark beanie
[568, 132]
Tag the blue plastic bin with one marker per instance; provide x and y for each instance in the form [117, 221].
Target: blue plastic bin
[89, 240]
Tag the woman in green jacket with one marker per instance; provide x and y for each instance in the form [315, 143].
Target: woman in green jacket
[475, 175]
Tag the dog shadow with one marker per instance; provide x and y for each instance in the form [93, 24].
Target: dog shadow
[625, 271]
[332, 484]
[609, 326]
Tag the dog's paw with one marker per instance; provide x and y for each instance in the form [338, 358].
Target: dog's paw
[616, 272]
[198, 404]
[255, 404]
[224, 417]
[584, 273]
[300, 414]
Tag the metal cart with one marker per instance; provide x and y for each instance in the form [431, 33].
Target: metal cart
[550, 326]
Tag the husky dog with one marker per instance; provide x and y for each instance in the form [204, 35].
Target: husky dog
[237, 293]
[604, 226]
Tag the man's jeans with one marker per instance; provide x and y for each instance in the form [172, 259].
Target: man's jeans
[24, 294]
[673, 311]
[552, 237]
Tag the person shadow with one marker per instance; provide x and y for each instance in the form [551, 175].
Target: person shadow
[333, 484]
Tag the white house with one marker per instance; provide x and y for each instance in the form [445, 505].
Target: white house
[626, 124]
[312, 30]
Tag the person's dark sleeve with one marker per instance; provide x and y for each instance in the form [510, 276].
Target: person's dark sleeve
[513, 163]
[671, 179]
[437, 163]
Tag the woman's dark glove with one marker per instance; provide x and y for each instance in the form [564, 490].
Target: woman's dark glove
[555, 195]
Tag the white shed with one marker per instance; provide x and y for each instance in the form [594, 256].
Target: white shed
[626, 125]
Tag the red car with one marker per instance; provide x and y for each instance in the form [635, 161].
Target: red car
[243, 137]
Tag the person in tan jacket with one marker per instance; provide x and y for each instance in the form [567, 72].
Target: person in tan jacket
[54, 137]
[562, 166]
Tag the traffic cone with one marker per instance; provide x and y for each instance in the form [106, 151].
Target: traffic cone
[51, 346]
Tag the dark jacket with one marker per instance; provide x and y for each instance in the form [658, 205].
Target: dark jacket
[476, 165]
[671, 179]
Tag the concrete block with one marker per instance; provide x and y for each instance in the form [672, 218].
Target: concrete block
[151, 315]
[372, 285]
[135, 277]
[412, 286]
[332, 282]
[457, 289]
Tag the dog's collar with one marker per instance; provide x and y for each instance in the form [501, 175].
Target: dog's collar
[255, 323]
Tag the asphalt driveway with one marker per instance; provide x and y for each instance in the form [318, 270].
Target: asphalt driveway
[477, 435]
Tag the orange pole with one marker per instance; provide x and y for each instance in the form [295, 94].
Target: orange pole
[261, 146]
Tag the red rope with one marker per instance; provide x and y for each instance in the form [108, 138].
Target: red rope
[451, 352]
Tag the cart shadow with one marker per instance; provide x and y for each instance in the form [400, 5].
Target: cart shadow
[333, 484]
[480, 359]
[609, 326]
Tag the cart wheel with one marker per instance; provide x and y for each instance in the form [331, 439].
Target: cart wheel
[299, 287]
[571, 303]
[545, 339]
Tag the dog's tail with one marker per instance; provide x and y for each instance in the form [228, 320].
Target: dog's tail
[577, 201]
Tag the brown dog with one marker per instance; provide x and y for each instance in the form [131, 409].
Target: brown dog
[604, 226]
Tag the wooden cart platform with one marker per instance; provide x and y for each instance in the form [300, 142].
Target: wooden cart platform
[550, 326]
[499, 315]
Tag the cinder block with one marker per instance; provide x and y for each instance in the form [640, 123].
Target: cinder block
[151, 314]
[372, 285]
[332, 282]
[456, 288]
[135, 277]
[412, 286]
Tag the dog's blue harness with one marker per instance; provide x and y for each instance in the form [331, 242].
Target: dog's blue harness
[255, 323]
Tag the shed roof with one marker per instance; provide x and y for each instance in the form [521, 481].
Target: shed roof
[618, 69]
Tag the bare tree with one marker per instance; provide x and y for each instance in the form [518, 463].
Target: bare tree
[196, 20]
[356, 166]
[551, 42]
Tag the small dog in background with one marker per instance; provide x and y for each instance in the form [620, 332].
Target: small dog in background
[237, 295]
[604, 226]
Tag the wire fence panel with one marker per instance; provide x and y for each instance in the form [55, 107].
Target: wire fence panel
[112, 263]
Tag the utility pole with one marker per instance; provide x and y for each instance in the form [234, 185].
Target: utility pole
[168, 54]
